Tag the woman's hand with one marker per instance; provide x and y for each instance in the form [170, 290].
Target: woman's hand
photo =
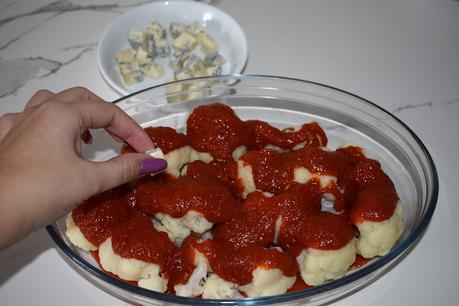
[42, 173]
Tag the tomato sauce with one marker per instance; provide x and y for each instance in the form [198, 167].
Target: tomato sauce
[216, 129]
[309, 134]
[176, 197]
[165, 138]
[359, 261]
[97, 216]
[135, 237]
[225, 172]
[247, 233]
[181, 263]
[237, 264]
[298, 285]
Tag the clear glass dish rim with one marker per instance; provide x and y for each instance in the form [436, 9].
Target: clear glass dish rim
[405, 245]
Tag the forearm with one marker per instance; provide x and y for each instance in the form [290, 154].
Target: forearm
[17, 218]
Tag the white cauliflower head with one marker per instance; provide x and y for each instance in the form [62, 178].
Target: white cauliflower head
[244, 173]
[216, 287]
[75, 235]
[195, 285]
[238, 152]
[146, 274]
[179, 228]
[196, 222]
[318, 266]
[377, 238]
[156, 152]
[277, 227]
[266, 282]
[202, 156]
[173, 227]
[178, 158]
[303, 175]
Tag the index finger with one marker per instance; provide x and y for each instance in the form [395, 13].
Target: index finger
[77, 94]
[99, 114]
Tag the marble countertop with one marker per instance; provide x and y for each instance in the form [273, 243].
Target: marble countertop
[401, 54]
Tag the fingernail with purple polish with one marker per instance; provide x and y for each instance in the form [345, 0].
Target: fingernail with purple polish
[86, 137]
[152, 165]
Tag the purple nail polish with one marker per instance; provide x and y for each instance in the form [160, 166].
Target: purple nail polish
[86, 137]
[152, 165]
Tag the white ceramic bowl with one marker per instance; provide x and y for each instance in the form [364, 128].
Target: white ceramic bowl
[229, 35]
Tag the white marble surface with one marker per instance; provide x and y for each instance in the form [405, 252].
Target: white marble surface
[400, 54]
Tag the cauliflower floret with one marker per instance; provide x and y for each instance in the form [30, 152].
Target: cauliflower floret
[76, 236]
[202, 156]
[277, 226]
[347, 144]
[267, 282]
[216, 287]
[184, 170]
[147, 274]
[196, 222]
[172, 226]
[300, 145]
[179, 228]
[178, 158]
[318, 266]
[207, 236]
[244, 173]
[275, 148]
[238, 152]
[377, 238]
[195, 285]
[303, 175]
[156, 152]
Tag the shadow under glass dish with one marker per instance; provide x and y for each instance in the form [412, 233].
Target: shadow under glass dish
[283, 102]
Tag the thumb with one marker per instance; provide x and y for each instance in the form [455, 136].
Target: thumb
[125, 168]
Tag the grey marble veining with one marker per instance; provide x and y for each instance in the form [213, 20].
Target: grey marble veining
[16, 72]
[27, 31]
[64, 6]
[404, 108]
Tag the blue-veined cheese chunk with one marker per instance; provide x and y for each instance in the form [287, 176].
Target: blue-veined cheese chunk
[194, 28]
[184, 41]
[155, 29]
[159, 46]
[177, 58]
[153, 70]
[142, 57]
[208, 43]
[177, 28]
[181, 75]
[214, 59]
[131, 73]
[124, 57]
[137, 39]
[213, 70]
[193, 64]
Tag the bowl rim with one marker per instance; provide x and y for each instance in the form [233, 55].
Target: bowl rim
[122, 89]
[405, 245]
